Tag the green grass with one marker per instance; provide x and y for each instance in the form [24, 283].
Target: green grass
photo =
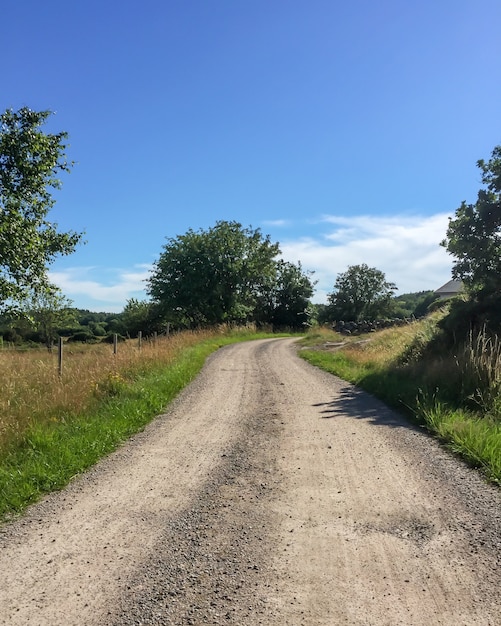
[394, 389]
[476, 439]
[51, 452]
[434, 389]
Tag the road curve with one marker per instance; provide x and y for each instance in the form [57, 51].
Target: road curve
[268, 493]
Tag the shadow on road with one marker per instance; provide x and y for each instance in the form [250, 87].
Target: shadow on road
[358, 404]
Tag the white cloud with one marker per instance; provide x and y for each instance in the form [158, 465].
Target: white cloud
[276, 223]
[104, 289]
[406, 248]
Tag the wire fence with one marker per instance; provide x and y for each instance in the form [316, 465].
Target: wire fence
[62, 345]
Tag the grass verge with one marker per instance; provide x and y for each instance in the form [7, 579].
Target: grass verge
[431, 388]
[51, 450]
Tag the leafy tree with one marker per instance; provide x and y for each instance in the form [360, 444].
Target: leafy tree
[362, 292]
[214, 276]
[290, 297]
[116, 325]
[320, 313]
[474, 235]
[15, 327]
[48, 311]
[140, 315]
[86, 317]
[413, 304]
[30, 161]
[97, 329]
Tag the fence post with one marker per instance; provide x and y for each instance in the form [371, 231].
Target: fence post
[155, 337]
[60, 356]
[115, 343]
[168, 328]
[139, 338]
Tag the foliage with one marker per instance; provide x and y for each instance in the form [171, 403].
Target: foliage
[320, 313]
[30, 161]
[362, 292]
[477, 440]
[47, 311]
[474, 235]
[30, 323]
[84, 336]
[288, 303]
[86, 317]
[98, 329]
[414, 304]
[227, 274]
[468, 314]
[140, 316]
[50, 308]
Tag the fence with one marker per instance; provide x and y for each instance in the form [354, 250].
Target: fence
[61, 345]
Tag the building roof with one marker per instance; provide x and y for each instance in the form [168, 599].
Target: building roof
[451, 288]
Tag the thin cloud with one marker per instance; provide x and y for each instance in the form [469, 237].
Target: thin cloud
[109, 289]
[276, 223]
[406, 248]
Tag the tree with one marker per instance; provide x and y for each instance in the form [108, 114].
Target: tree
[474, 235]
[48, 311]
[290, 297]
[362, 292]
[415, 304]
[214, 276]
[320, 313]
[30, 161]
[140, 316]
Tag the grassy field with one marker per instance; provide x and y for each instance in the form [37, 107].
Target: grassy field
[457, 395]
[52, 427]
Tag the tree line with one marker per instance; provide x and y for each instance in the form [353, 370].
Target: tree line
[226, 274]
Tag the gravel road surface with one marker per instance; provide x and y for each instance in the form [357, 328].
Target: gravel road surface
[269, 493]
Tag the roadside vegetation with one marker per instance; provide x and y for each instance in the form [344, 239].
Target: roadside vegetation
[444, 370]
[53, 428]
[455, 391]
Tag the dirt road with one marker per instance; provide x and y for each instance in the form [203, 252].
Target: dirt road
[269, 493]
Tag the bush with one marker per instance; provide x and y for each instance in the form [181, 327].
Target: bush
[110, 338]
[471, 316]
[68, 331]
[97, 329]
[83, 336]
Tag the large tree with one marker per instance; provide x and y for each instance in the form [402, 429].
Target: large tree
[362, 292]
[474, 234]
[213, 276]
[140, 315]
[289, 303]
[30, 163]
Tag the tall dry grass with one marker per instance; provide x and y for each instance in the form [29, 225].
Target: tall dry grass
[480, 366]
[31, 390]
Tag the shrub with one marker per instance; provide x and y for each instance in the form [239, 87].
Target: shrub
[83, 336]
[110, 338]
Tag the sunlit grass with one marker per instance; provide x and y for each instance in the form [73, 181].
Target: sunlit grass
[54, 428]
[32, 392]
[476, 438]
[457, 395]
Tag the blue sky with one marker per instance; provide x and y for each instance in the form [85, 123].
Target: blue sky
[347, 131]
